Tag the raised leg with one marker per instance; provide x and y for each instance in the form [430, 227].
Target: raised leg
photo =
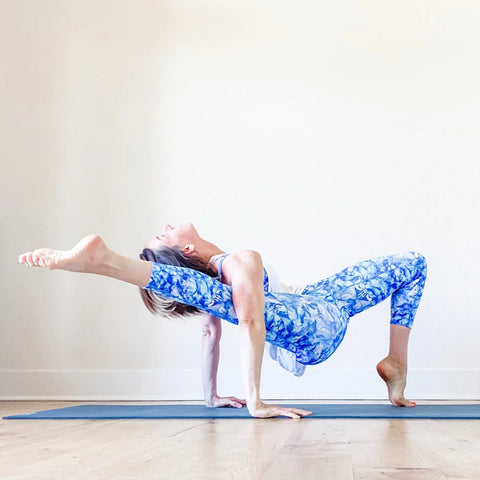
[91, 255]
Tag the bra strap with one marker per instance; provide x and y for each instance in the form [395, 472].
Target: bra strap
[219, 268]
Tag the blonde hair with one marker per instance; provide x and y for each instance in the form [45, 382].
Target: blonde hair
[158, 304]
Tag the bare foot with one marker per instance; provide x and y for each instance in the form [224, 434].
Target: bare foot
[86, 256]
[395, 376]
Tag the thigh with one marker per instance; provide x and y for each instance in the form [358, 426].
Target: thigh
[368, 282]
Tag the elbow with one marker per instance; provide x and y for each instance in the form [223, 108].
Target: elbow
[210, 334]
[251, 323]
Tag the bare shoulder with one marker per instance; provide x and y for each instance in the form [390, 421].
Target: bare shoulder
[240, 260]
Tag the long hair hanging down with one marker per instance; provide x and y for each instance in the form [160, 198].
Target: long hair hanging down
[159, 305]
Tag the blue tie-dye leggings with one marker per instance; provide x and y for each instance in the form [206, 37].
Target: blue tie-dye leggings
[361, 286]
[367, 283]
[310, 325]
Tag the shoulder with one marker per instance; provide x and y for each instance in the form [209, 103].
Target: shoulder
[245, 256]
[241, 260]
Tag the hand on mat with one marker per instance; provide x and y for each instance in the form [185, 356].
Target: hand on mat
[226, 402]
[262, 410]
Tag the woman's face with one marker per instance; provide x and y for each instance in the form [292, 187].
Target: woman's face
[175, 236]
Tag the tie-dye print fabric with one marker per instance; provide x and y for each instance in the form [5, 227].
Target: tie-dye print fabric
[367, 283]
[271, 283]
[311, 325]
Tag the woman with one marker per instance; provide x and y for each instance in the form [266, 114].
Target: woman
[310, 325]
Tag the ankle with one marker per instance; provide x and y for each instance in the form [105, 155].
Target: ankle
[400, 361]
[102, 261]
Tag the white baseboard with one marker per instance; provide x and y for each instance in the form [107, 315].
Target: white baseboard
[315, 384]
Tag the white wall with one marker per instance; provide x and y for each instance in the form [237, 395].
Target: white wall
[320, 133]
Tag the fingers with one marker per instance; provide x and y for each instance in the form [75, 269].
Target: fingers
[230, 402]
[290, 414]
[295, 412]
[301, 412]
[287, 412]
[236, 402]
[277, 410]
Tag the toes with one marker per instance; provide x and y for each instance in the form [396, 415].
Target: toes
[28, 259]
[407, 403]
[403, 402]
[43, 262]
[34, 260]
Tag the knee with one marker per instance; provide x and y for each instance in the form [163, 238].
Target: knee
[419, 261]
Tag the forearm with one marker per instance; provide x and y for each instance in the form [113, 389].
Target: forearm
[210, 360]
[252, 344]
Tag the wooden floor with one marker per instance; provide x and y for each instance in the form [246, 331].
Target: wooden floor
[267, 449]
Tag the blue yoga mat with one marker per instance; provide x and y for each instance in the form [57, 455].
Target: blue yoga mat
[105, 412]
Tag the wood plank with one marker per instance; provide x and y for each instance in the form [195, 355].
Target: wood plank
[253, 449]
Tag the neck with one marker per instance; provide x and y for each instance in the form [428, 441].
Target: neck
[206, 250]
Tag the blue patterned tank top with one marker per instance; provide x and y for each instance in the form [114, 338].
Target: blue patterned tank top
[221, 258]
